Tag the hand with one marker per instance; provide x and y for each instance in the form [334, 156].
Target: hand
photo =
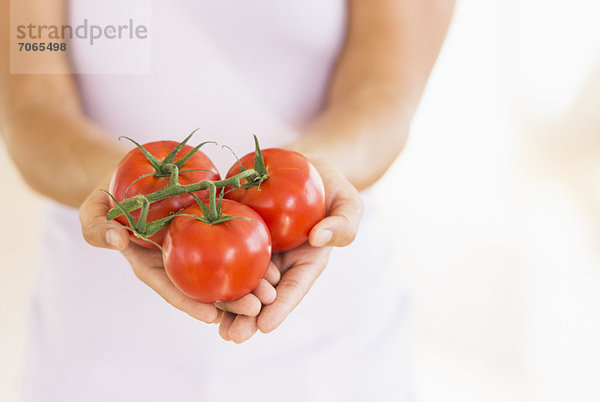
[148, 266]
[301, 266]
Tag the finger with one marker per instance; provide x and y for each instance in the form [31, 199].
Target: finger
[219, 316]
[294, 284]
[247, 305]
[273, 275]
[96, 230]
[156, 278]
[265, 292]
[226, 321]
[242, 328]
[339, 228]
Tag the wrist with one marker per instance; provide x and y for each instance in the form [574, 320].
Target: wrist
[361, 139]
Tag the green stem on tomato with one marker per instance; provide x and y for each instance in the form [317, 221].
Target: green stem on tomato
[141, 228]
[173, 171]
[141, 224]
[152, 174]
[212, 214]
[259, 167]
[259, 162]
[174, 188]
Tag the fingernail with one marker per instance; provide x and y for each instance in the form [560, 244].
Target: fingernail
[324, 237]
[113, 238]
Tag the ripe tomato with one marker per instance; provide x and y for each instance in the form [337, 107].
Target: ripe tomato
[217, 262]
[291, 200]
[123, 182]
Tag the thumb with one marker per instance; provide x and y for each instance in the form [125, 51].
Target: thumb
[96, 230]
[339, 228]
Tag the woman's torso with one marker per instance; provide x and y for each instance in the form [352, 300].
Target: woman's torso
[233, 69]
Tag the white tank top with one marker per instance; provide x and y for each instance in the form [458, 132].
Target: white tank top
[233, 68]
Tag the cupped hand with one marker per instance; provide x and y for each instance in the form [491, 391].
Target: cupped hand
[148, 266]
[301, 266]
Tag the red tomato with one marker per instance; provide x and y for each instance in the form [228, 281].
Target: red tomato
[217, 262]
[291, 201]
[135, 164]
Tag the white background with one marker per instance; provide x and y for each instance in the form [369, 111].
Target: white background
[495, 206]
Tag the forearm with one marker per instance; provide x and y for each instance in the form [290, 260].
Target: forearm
[60, 154]
[390, 49]
[361, 140]
[56, 149]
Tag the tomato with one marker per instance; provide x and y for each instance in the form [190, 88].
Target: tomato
[291, 200]
[217, 262]
[124, 183]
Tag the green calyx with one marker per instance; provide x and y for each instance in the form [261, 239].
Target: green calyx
[162, 168]
[260, 170]
[212, 213]
[142, 228]
[259, 166]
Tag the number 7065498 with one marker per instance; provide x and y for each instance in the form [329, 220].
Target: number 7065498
[42, 47]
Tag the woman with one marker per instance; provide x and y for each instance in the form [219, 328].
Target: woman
[337, 81]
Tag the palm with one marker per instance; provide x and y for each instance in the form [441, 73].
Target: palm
[292, 272]
[147, 265]
[299, 269]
